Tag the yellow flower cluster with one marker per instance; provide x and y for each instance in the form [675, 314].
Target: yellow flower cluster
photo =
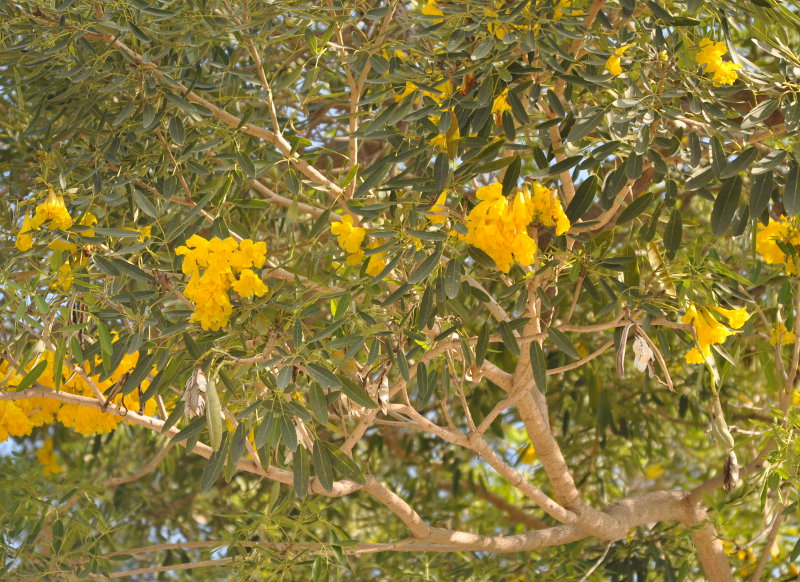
[779, 231]
[501, 29]
[710, 55]
[499, 227]
[350, 238]
[52, 213]
[613, 64]
[432, 9]
[213, 265]
[19, 417]
[709, 331]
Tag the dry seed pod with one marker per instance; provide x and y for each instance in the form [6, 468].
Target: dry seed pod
[642, 354]
[194, 398]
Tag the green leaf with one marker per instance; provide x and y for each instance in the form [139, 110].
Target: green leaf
[441, 172]
[699, 178]
[725, 205]
[106, 347]
[288, 432]
[759, 113]
[718, 158]
[563, 343]
[760, 193]
[215, 465]
[583, 198]
[563, 165]
[483, 344]
[143, 367]
[301, 472]
[508, 338]
[424, 387]
[673, 231]
[238, 444]
[323, 468]
[176, 130]
[635, 208]
[131, 270]
[791, 192]
[357, 394]
[538, 366]
[325, 377]
[586, 125]
[194, 427]
[743, 161]
[32, 376]
[144, 204]
[344, 465]
[425, 268]
[318, 403]
[511, 176]
[452, 278]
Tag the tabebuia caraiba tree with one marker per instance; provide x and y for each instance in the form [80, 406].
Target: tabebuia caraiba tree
[388, 290]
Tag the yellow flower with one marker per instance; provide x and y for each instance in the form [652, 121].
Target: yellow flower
[654, 471]
[13, 421]
[249, 284]
[613, 65]
[547, 209]
[439, 142]
[349, 237]
[54, 212]
[376, 262]
[24, 240]
[694, 356]
[779, 332]
[407, 90]
[529, 456]
[707, 330]
[769, 236]
[710, 55]
[47, 458]
[736, 317]
[500, 104]
[438, 212]
[432, 9]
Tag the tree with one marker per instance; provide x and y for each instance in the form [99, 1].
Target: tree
[370, 290]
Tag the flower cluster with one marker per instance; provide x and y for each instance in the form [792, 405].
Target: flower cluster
[47, 458]
[710, 55]
[779, 333]
[501, 27]
[499, 227]
[19, 417]
[773, 236]
[213, 265]
[613, 64]
[350, 238]
[52, 213]
[709, 331]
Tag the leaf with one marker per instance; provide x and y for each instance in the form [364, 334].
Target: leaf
[344, 465]
[585, 126]
[323, 468]
[743, 161]
[325, 377]
[583, 198]
[288, 432]
[357, 394]
[563, 343]
[725, 204]
[718, 160]
[760, 193]
[176, 130]
[106, 347]
[699, 178]
[238, 444]
[143, 367]
[759, 113]
[538, 366]
[483, 344]
[563, 165]
[215, 465]
[32, 376]
[791, 192]
[318, 403]
[424, 388]
[512, 175]
[441, 172]
[673, 231]
[194, 427]
[425, 268]
[508, 338]
[131, 270]
[144, 204]
[635, 208]
[301, 472]
[452, 278]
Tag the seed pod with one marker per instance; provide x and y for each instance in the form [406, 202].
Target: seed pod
[642, 354]
[194, 398]
[383, 394]
[214, 415]
[730, 472]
